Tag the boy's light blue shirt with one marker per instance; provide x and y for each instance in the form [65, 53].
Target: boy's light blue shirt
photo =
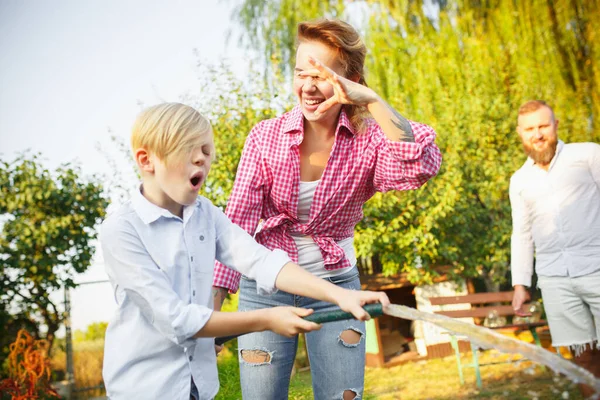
[161, 270]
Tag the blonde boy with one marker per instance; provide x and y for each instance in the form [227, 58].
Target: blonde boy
[159, 251]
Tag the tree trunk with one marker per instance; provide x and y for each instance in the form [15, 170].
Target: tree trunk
[490, 285]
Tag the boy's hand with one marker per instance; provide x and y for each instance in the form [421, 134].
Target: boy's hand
[287, 321]
[352, 301]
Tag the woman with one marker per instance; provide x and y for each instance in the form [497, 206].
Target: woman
[306, 175]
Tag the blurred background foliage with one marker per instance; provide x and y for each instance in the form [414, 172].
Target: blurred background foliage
[47, 225]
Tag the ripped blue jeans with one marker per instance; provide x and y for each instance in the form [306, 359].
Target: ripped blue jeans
[266, 359]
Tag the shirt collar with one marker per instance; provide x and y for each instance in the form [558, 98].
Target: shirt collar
[150, 212]
[559, 147]
[345, 122]
[295, 121]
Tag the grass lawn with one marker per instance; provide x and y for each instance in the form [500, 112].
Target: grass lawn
[435, 380]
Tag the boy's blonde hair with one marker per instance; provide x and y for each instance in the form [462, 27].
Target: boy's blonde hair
[170, 130]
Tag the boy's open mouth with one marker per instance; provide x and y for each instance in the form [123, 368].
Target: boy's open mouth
[195, 180]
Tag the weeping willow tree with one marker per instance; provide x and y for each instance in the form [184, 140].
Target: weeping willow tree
[463, 69]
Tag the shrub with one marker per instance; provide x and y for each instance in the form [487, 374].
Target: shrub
[28, 370]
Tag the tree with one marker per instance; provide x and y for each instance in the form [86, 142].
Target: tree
[28, 370]
[95, 331]
[48, 227]
[464, 70]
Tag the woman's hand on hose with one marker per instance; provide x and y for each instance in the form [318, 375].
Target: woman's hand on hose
[352, 301]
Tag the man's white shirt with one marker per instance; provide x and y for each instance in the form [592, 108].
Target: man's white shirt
[556, 215]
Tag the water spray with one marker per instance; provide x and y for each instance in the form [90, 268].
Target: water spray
[482, 337]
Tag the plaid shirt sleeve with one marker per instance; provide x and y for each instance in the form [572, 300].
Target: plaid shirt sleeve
[407, 165]
[244, 207]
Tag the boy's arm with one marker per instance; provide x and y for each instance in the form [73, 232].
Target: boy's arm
[273, 269]
[243, 208]
[239, 251]
[286, 321]
[130, 267]
[294, 279]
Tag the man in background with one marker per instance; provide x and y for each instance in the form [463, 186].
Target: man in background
[555, 200]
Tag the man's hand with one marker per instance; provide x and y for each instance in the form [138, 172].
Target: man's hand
[519, 298]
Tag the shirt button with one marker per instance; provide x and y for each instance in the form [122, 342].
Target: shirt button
[192, 258]
[191, 358]
[194, 292]
[201, 237]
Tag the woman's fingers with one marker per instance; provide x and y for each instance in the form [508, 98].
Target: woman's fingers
[302, 312]
[380, 297]
[360, 314]
[342, 87]
[314, 73]
[326, 105]
[320, 66]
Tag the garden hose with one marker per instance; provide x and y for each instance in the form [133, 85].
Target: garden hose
[321, 317]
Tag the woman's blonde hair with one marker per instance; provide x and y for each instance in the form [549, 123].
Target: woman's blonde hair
[351, 51]
[171, 130]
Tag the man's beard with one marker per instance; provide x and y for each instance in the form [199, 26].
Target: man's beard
[544, 156]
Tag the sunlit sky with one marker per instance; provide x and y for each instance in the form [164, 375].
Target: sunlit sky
[73, 73]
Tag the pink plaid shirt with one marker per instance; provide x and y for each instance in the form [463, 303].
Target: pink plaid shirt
[268, 179]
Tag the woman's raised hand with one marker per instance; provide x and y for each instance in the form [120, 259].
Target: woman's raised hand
[345, 91]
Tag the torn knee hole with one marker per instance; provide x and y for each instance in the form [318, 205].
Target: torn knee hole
[350, 336]
[256, 356]
[349, 395]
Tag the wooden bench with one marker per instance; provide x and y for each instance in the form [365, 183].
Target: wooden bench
[482, 306]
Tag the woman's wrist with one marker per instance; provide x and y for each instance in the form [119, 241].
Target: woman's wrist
[372, 98]
[337, 294]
